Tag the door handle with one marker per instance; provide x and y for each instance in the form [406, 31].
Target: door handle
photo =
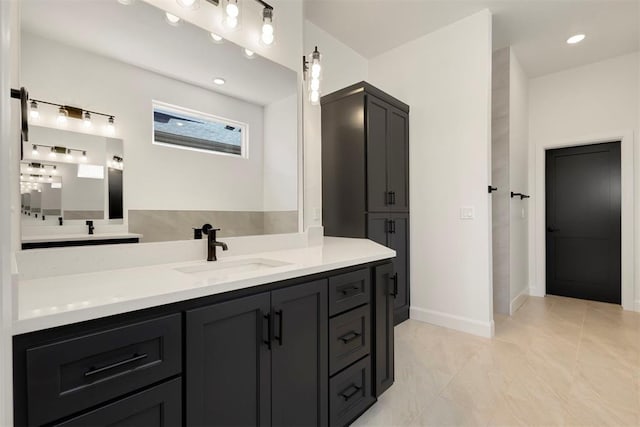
[136, 357]
[280, 320]
[394, 291]
[267, 317]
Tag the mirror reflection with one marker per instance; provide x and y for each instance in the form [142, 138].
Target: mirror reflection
[209, 131]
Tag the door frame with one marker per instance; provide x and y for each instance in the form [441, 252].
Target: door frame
[537, 262]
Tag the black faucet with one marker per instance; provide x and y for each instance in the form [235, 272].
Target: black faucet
[212, 243]
[91, 227]
[60, 220]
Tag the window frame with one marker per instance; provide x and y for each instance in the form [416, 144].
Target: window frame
[244, 144]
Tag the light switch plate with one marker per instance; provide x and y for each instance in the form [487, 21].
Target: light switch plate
[467, 212]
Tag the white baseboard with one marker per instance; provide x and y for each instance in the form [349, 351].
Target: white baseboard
[518, 301]
[459, 323]
[534, 291]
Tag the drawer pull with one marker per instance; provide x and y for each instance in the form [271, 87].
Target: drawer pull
[350, 290]
[281, 318]
[349, 392]
[394, 278]
[348, 337]
[135, 358]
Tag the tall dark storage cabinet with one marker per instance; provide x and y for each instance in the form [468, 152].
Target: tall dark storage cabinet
[365, 175]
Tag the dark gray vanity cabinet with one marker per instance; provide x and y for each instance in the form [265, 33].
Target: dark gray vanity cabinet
[228, 363]
[310, 351]
[365, 174]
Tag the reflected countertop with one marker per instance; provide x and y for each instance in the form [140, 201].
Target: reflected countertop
[60, 300]
[78, 236]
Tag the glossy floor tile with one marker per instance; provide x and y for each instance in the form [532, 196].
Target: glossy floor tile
[555, 362]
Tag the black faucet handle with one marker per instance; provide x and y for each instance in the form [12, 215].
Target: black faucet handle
[208, 227]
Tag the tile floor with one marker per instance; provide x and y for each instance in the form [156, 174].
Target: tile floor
[555, 362]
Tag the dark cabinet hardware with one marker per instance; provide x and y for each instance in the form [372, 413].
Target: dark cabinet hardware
[492, 189]
[522, 196]
[90, 226]
[349, 392]
[280, 320]
[394, 279]
[135, 358]
[391, 226]
[197, 233]
[60, 220]
[267, 317]
[348, 337]
[350, 290]
[391, 197]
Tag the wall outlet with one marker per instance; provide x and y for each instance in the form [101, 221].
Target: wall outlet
[467, 212]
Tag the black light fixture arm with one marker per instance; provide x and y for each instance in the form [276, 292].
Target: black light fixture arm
[40, 101]
[265, 4]
[522, 196]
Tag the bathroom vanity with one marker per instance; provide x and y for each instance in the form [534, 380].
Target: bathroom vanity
[300, 336]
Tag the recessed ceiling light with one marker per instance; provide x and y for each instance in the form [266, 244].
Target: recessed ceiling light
[576, 39]
[179, 124]
[219, 81]
[249, 53]
[172, 19]
[216, 38]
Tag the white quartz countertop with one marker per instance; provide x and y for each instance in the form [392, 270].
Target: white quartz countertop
[78, 237]
[60, 300]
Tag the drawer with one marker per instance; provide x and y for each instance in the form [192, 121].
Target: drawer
[159, 406]
[349, 338]
[350, 393]
[69, 376]
[349, 290]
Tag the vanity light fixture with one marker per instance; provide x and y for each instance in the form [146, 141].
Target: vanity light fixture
[172, 19]
[267, 26]
[50, 178]
[216, 38]
[189, 4]
[219, 81]
[249, 53]
[84, 157]
[62, 116]
[69, 156]
[111, 128]
[34, 113]
[53, 154]
[232, 13]
[34, 151]
[87, 119]
[312, 69]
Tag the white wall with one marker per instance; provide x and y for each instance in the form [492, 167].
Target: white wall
[341, 66]
[280, 184]
[445, 77]
[152, 171]
[518, 180]
[582, 105]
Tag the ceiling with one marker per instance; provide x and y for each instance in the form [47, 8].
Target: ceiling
[536, 29]
[138, 34]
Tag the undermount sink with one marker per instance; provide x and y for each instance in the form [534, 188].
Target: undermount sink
[224, 269]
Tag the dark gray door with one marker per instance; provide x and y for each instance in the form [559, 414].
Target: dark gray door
[115, 194]
[228, 364]
[398, 160]
[300, 362]
[377, 135]
[399, 242]
[583, 222]
[383, 321]
[377, 225]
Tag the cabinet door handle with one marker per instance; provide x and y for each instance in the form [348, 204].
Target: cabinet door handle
[94, 371]
[393, 197]
[392, 226]
[387, 198]
[394, 279]
[349, 336]
[349, 392]
[267, 317]
[350, 290]
[281, 319]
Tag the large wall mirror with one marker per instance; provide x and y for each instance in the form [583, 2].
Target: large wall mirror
[189, 128]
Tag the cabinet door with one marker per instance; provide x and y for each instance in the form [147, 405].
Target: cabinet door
[299, 369]
[398, 161]
[160, 406]
[377, 228]
[228, 363]
[377, 135]
[399, 242]
[383, 321]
